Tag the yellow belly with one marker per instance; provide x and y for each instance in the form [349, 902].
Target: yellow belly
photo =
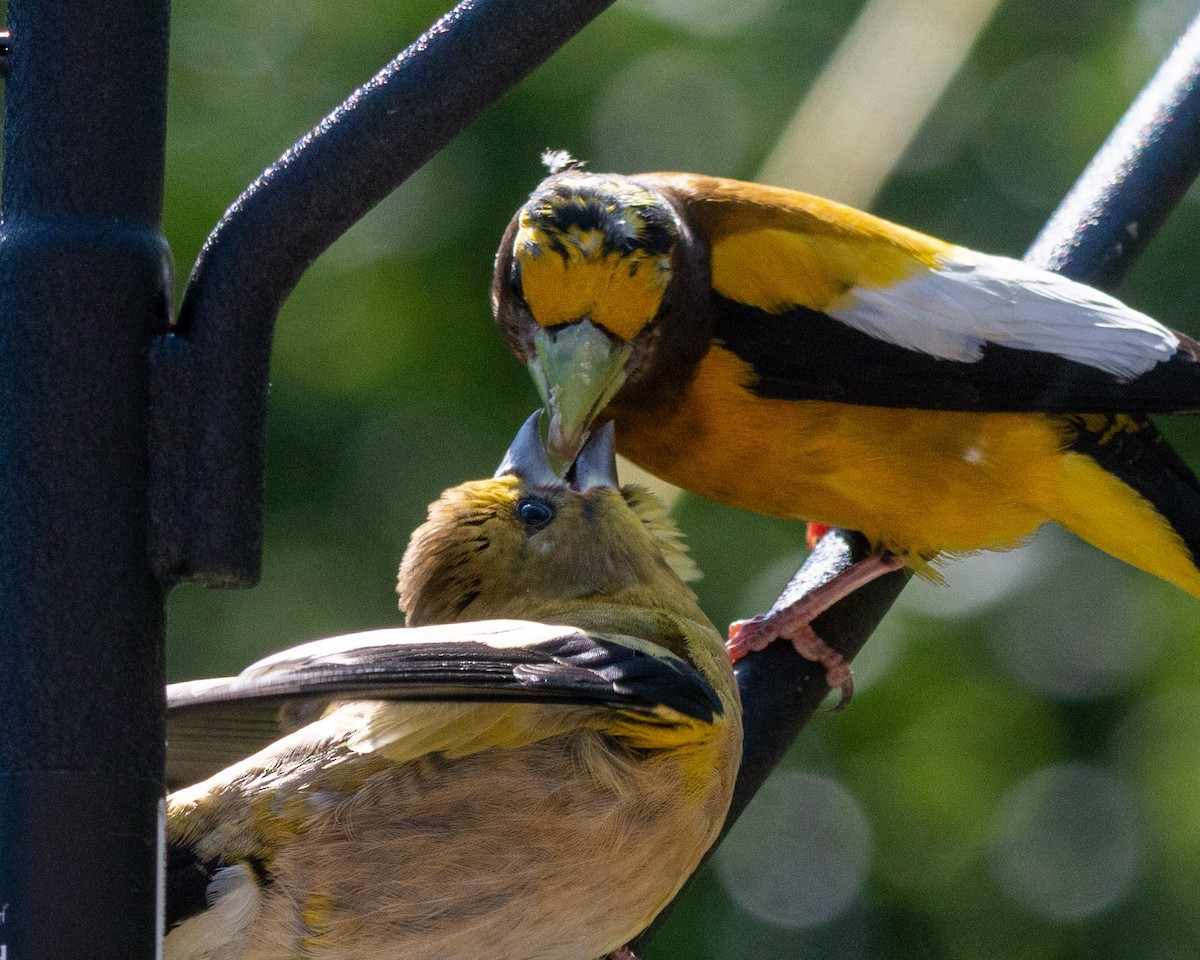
[524, 862]
[562, 848]
[917, 482]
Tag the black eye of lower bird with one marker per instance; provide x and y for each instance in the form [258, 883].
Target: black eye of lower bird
[534, 513]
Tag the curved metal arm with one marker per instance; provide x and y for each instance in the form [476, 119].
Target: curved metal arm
[1110, 214]
[210, 369]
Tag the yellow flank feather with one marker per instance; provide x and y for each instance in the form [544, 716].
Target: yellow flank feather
[916, 482]
[477, 826]
[909, 480]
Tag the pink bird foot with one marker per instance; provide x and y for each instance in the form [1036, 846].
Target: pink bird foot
[794, 622]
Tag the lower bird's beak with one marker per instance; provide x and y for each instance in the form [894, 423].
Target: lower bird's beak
[596, 465]
[578, 369]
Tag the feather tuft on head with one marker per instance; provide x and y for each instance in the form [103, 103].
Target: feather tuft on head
[556, 161]
[653, 514]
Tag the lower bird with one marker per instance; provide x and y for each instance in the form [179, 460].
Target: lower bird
[529, 771]
[790, 355]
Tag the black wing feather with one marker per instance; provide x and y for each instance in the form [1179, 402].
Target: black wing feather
[803, 354]
[211, 724]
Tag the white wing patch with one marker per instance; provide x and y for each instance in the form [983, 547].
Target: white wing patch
[974, 299]
[500, 634]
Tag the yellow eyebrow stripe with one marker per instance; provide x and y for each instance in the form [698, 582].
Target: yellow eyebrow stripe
[619, 292]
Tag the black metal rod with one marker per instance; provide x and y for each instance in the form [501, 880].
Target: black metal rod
[1138, 176]
[211, 370]
[1135, 180]
[83, 286]
[779, 688]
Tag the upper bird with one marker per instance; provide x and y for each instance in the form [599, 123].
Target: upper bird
[794, 356]
[473, 788]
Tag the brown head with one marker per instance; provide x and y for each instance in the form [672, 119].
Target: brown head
[528, 541]
[602, 290]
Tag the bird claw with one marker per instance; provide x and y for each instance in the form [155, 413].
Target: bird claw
[622, 953]
[757, 633]
[793, 621]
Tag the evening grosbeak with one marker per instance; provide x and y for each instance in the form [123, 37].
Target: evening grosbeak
[529, 771]
[790, 355]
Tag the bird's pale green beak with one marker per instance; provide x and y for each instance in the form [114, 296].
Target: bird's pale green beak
[578, 369]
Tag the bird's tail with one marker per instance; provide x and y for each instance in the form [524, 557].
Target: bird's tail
[1127, 492]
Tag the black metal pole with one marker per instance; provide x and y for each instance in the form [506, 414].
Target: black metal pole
[1135, 180]
[83, 284]
[210, 372]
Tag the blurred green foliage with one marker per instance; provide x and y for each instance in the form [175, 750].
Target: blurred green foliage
[388, 384]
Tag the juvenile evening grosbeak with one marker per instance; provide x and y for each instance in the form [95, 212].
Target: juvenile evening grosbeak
[794, 356]
[529, 771]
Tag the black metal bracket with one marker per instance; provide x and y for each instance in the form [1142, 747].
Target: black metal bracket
[210, 369]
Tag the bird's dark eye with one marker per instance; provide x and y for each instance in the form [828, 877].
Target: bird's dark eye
[534, 513]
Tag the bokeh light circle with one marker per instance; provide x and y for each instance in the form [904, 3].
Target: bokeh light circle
[1066, 842]
[1075, 633]
[670, 111]
[800, 854]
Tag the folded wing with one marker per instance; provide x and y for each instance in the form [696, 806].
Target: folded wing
[828, 303]
[211, 724]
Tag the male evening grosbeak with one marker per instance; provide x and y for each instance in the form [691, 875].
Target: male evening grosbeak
[794, 356]
[530, 771]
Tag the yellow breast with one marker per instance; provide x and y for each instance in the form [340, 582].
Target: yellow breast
[917, 482]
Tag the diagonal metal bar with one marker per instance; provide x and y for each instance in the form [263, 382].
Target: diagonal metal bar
[210, 369]
[1135, 180]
